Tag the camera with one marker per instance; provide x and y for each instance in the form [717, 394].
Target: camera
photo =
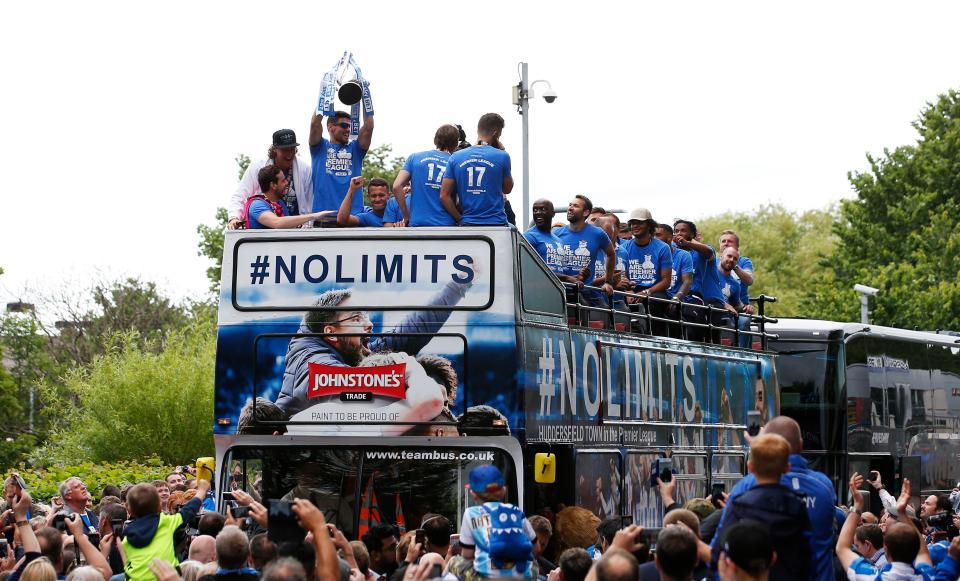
[941, 520]
[549, 95]
[865, 290]
[60, 522]
[463, 139]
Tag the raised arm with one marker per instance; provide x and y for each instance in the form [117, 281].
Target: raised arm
[344, 217]
[328, 566]
[447, 186]
[91, 553]
[366, 132]
[316, 129]
[699, 247]
[845, 540]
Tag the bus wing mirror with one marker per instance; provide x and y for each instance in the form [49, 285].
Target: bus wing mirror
[545, 468]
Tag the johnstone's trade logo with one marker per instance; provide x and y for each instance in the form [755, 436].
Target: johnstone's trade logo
[357, 383]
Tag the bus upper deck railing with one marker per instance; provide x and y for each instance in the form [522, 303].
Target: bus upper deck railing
[642, 320]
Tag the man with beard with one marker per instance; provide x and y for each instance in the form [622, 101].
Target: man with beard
[332, 314]
[283, 154]
[730, 287]
[383, 210]
[546, 244]
[582, 245]
[742, 271]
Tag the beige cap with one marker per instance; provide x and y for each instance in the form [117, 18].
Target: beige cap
[640, 214]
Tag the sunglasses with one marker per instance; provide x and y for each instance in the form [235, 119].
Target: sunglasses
[343, 125]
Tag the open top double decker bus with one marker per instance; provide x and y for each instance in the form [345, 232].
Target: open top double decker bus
[869, 397]
[369, 370]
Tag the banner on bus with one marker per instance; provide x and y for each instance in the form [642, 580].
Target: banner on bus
[331, 333]
[383, 272]
[587, 388]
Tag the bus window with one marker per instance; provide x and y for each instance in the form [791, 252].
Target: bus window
[727, 466]
[598, 482]
[404, 485]
[642, 500]
[539, 293]
[808, 390]
[361, 486]
[691, 474]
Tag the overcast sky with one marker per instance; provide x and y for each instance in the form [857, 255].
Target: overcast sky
[120, 121]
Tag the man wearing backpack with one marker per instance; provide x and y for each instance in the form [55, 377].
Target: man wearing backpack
[267, 210]
[495, 537]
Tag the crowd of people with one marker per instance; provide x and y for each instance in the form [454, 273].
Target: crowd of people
[642, 267]
[781, 521]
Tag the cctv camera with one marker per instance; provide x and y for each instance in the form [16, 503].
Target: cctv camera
[549, 95]
[865, 290]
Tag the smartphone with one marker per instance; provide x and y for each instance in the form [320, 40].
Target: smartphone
[116, 527]
[282, 525]
[753, 422]
[239, 511]
[873, 476]
[19, 480]
[716, 493]
[665, 469]
[626, 520]
[436, 572]
[4, 547]
[228, 497]
[420, 538]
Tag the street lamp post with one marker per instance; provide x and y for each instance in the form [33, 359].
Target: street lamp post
[522, 92]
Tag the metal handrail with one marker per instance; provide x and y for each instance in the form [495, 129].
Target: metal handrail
[612, 312]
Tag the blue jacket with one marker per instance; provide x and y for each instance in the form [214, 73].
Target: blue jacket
[821, 500]
[304, 350]
[784, 513]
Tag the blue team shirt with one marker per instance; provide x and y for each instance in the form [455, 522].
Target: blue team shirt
[644, 263]
[548, 247]
[745, 264]
[426, 170]
[479, 172]
[620, 261]
[682, 264]
[333, 166]
[729, 287]
[258, 207]
[475, 531]
[706, 277]
[582, 248]
[392, 212]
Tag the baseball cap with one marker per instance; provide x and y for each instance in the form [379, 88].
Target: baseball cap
[749, 546]
[485, 478]
[641, 214]
[284, 138]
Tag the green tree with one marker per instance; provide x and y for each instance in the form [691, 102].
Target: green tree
[119, 306]
[25, 346]
[786, 249]
[901, 233]
[140, 399]
[379, 163]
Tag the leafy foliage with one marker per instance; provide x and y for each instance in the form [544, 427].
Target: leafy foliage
[902, 232]
[120, 306]
[139, 399]
[211, 246]
[786, 249]
[44, 484]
